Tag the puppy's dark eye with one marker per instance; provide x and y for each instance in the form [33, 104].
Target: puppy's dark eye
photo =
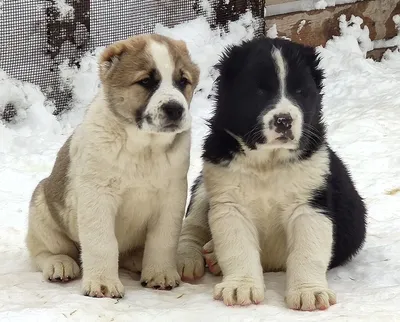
[302, 92]
[183, 82]
[144, 82]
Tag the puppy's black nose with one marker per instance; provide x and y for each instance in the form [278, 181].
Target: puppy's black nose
[283, 122]
[173, 111]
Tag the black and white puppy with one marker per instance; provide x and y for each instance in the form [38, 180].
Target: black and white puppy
[272, 195]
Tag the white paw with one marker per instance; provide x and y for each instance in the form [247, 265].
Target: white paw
[60, 268]
[211, 258]
[190, 262]
[240, 291]
[165, 278]
[102, 287]
[310, 298]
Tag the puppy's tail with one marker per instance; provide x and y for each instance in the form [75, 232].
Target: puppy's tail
[195, 233]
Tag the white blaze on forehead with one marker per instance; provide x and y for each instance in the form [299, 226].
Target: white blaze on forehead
[280, 69]
[166, 67]
[285, 104]
[163, 61]
[166, 91]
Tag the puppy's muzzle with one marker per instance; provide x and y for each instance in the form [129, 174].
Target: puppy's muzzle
[283, 124]
[173, 111]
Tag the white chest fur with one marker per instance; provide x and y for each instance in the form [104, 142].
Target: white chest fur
[136, 168]
[267, 195]
[260, 187]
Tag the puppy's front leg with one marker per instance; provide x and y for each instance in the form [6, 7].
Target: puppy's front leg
[97, 209]
[238, 252]
[160, 250]
[309, 234]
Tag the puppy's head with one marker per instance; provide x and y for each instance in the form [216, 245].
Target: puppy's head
[149, 81]
[269, 94]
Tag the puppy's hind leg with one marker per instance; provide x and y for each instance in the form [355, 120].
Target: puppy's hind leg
[132, 260]
[55, 256]
[51, 250]
[195, 233]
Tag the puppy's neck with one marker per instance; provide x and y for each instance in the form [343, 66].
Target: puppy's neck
[144, 139]
[265, 159]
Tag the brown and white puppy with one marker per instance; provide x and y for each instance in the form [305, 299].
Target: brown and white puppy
[117, 192]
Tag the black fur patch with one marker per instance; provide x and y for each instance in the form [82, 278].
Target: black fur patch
[340, 201]
[151, 85]
[248, 86]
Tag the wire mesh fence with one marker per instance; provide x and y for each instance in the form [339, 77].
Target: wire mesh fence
[36, 36]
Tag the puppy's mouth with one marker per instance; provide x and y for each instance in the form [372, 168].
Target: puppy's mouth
[170, 127]
[285, 137]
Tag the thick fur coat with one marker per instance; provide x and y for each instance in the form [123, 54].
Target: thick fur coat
[116, 195]
[272, 195]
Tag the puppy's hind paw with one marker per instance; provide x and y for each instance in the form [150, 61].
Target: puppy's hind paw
[211, 258]
[190, 262]
[60, 268]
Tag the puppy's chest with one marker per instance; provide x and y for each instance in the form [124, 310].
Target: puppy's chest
[276, 193]
[144, 171]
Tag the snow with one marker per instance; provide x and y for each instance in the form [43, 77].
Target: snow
[301, 26]
[64, 8]
[206, 5]
[303, 5]
[272, 32]
[352, 29]
[361, 108]
[321, 4]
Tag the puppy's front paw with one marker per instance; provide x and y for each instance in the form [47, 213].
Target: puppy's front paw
[310, 298]
[160, 278]
[102, 287]
[240, 291]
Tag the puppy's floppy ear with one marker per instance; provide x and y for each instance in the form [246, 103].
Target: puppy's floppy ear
[181, 45]
[195, 71]
[110, 57]
[313, 59]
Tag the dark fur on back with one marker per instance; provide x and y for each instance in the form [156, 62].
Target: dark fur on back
[341, 202]
[245, 88]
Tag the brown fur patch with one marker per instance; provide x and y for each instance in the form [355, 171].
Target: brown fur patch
[126, 62]
[181, 57]
[54, 187]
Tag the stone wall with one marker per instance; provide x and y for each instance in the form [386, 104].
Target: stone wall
[321, 25]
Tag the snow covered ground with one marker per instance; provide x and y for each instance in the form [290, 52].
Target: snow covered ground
[362, 110]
